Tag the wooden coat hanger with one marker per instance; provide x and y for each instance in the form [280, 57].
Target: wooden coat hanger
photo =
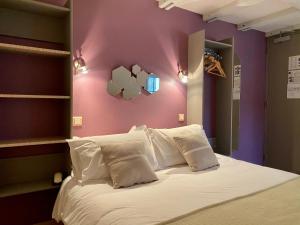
[217, 68]
[214, 67]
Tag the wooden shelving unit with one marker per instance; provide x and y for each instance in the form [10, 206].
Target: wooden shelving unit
[36, 95]
[33, 96]
[33, 50]
[35, 7]
[28, 187]
[31, 142]
[217, 44]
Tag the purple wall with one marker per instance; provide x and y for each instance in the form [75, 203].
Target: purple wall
[250, 46]
[113, 32]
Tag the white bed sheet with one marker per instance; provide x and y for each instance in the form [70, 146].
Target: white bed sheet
[178, 191]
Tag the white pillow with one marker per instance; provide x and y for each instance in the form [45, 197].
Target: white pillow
[190, 129]
[166, 150]
[127, 164]
[137, 135]
[137, 130]
[87, 158]
[197, 151]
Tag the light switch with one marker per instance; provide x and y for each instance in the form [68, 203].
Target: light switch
[181, 117]
[77, 121]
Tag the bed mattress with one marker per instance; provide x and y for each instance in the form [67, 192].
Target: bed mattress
[278, 205]
[178, 192]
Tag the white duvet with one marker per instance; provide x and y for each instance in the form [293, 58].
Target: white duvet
[178, 191]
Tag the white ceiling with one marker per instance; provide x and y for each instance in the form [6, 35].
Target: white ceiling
[270, 16]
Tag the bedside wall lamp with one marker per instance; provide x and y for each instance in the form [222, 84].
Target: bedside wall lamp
[80, 65]
[183, 77]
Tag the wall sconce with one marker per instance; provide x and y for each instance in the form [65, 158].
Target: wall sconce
[80, 65]
[183, 77]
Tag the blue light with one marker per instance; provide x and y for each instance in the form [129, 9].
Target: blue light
[152, 83]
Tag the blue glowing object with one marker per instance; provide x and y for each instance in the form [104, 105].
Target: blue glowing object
[152, 83]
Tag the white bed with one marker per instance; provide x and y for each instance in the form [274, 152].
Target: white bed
[178, 192]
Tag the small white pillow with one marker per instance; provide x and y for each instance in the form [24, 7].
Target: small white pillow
[136, 135]
[166, 150]
[127, 164]
[197, 151]
[87, 160]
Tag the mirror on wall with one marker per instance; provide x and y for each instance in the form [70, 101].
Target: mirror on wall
[130, 83]
[152, 85]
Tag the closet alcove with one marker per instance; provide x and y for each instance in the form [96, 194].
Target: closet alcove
[222, 110]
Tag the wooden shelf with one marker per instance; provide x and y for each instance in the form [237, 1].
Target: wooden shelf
[25, 188]
[33, 50]
[35, 7]
[49, 222]
[35, 106]
[34, 96]
[32, 142]
[216, 44]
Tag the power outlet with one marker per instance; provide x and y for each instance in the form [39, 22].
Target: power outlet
[77, 121]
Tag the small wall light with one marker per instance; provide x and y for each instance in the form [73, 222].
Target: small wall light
[183, 77]
[80, 65]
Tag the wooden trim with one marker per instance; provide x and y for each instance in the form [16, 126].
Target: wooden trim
[31, 142]
[34, 150]
[34, 96]
[33, 50]
[35, 7]
[25, 188]
[217, 44]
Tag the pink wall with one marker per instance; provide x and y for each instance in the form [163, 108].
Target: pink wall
[113, 33]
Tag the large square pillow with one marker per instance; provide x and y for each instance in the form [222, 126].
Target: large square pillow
[166, 150]
[127, 164]
[87, 158]
[138, 135]
[197, 151]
